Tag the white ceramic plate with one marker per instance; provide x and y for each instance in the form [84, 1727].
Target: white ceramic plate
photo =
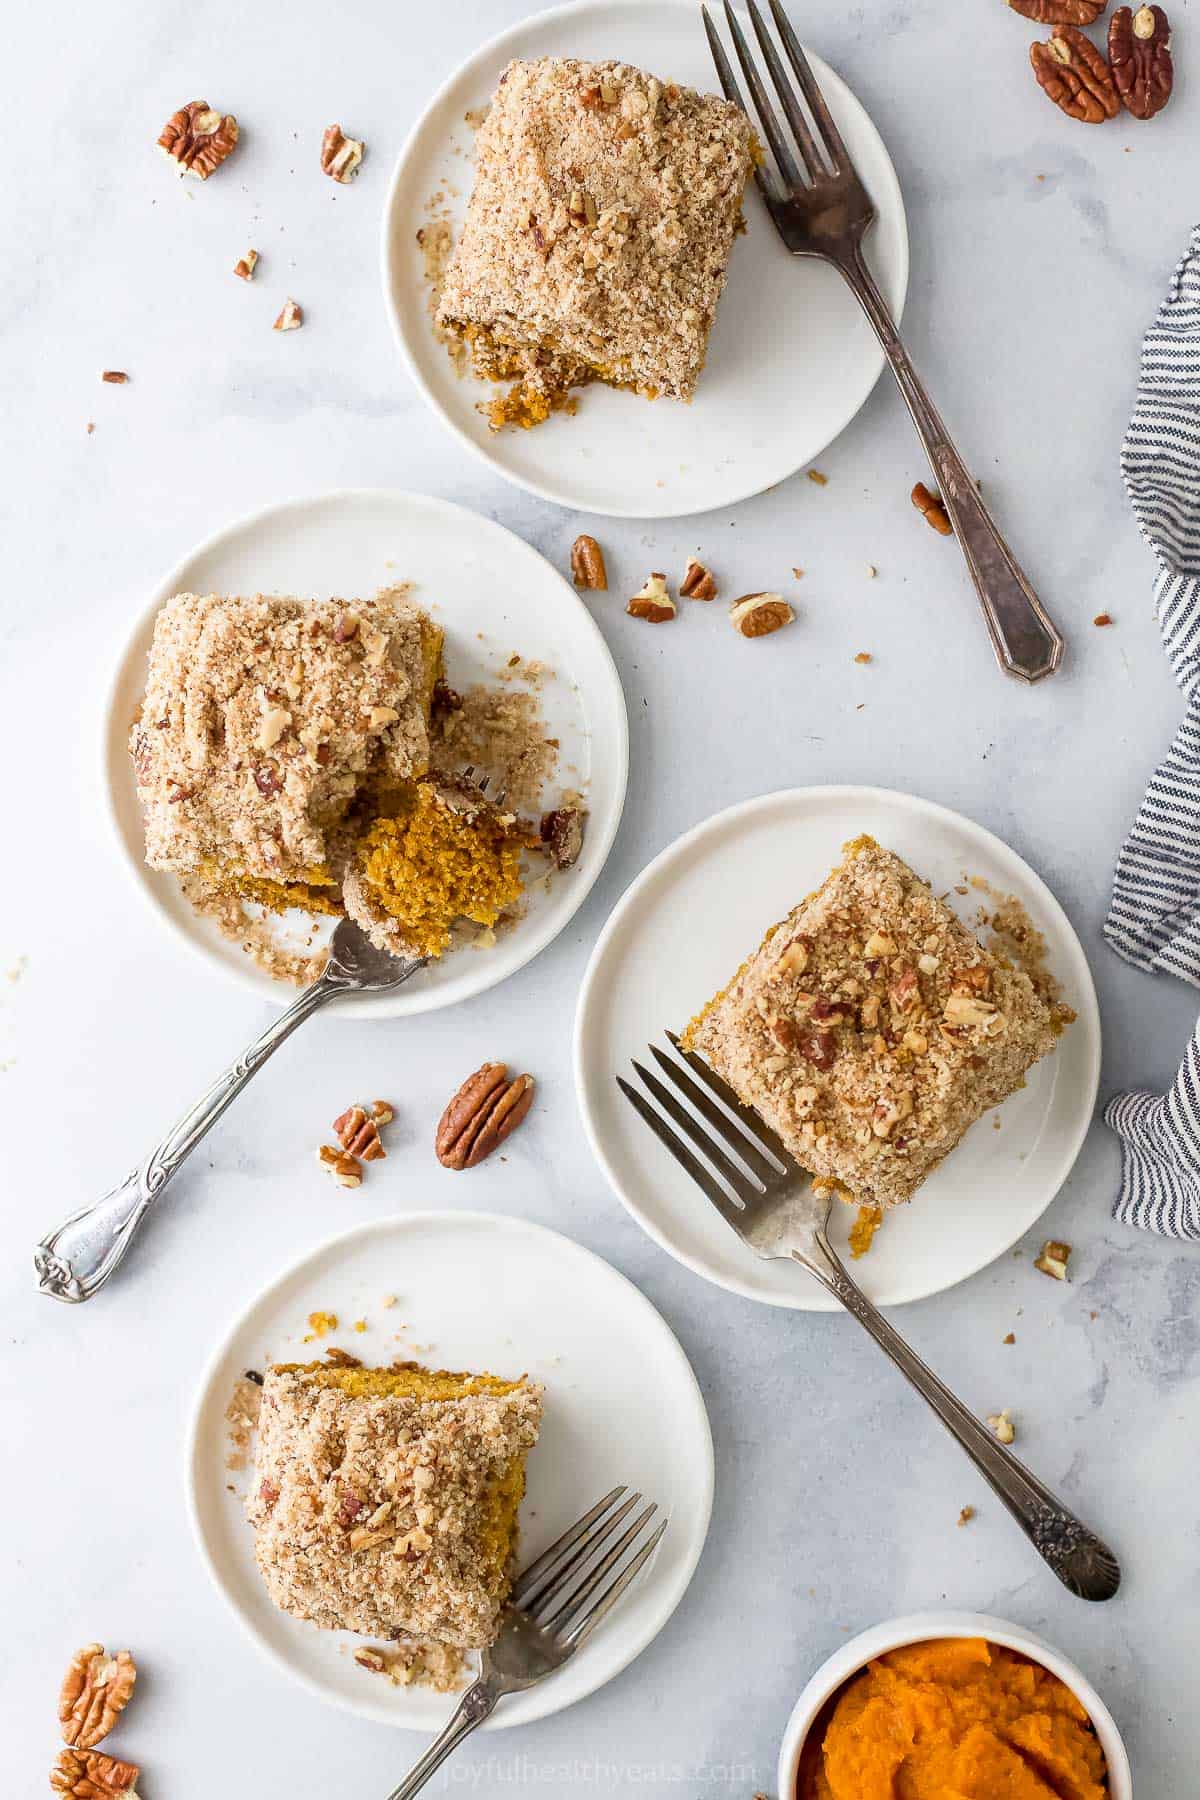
[791, 360]
[477, 1291]
[475, 578]
[686, 924]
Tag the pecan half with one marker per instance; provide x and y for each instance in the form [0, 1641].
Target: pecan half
[341, 156]
[587, 564]
[1071, 72]
[561, 831]
[94, 1693]
[487, 1108]
[1060, 12]
[698, 582]
[930, 505]
[199, 138]
[90, 1775]
[1139, 54]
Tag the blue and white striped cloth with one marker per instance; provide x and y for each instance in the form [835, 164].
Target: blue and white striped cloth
[1154, 916]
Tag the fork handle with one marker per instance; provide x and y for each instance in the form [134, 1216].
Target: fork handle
[474, 1707]
[1080, 1559]
[75, 1261]
[1026, 641]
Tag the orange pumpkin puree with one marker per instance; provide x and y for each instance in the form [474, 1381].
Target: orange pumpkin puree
[954, 1719]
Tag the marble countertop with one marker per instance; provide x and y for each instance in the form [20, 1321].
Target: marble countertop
[1040, 250]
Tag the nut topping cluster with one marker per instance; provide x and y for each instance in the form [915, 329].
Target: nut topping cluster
[357, 1133]
[487, 1108]
[199, 138]
[1081, 80]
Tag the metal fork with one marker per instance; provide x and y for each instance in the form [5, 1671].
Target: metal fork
[825, 211]
[556, 1604]
[768, 1199]
[74, 1262]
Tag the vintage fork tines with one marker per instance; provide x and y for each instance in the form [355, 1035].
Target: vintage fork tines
[556, 1604]
[820, 207]
[760, 1190]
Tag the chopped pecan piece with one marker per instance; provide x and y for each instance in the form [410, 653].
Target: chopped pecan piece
[1139, 54]
[904, 991]
[561, 831]
[819, 1048]
[291, 317]
[446, 700]
[652, 602]
[357, 1131]
[587, 564]
[931, 509]
[345, 1169]
[114, 377]
[698, 582]
[1052, 1259]
[1060, 12]
[94, 1693]
[758, 615]
[90, 1775]
[341, 156]
[487, 1108]
[1071, 72]
[1002, 1426]
[199, 138]
[246, 265]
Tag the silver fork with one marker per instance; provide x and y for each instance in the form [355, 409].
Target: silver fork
[556, 1604]
[768, 1199]
[825, 211]
[74, 1262]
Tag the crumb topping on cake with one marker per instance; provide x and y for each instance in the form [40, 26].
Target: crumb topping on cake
[604, 210]
[870, 1029]
[262, 719]
[385, 1501]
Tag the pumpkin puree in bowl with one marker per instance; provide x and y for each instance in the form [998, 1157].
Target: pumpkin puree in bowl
[953, 1719]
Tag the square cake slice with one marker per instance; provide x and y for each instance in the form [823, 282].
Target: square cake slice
[385, 1500]
[264, 717]
[598, 231]
[870, 1028]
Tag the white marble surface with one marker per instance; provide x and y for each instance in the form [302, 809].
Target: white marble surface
[837, 1494]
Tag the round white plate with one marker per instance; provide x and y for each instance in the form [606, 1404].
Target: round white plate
[791, 359]
[493, 595]
[693, 916]
[477, 1291]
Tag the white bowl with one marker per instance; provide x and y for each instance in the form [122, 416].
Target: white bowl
[919, 1628]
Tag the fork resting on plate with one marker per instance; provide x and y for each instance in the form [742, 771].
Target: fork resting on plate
[824, 210]
[556, 1604]
[767, 1197]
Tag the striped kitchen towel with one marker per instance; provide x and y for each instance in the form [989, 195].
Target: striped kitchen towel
[1154, 915]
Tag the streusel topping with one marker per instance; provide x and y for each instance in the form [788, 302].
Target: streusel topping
[374, 1513]
[603, 214]
[262, 718]
[870, 1028]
